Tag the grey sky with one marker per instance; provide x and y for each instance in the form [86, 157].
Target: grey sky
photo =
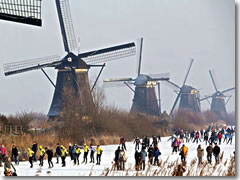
[173, 32]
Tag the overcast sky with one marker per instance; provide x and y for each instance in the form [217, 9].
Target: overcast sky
[173, 30]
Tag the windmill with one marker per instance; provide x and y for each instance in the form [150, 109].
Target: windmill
[72, 69]
[26, 12]
[218, 104]
[189, 96]
[145, 99]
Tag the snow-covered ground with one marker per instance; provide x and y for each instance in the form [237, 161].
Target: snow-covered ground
[107, 158]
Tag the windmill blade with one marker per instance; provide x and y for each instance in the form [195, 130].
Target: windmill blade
[228, 90]
[115, 84]
[228, 100]
[189, 68]
[66, 25]
[109, 54]
[175, 103]
[213, 81]
[29, 65]
[172, 85]
[139, 55]
[205, 98]
[159, 77]
[25, 12]
[118, 80]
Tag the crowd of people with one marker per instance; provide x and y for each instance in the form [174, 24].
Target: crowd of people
[145, 147]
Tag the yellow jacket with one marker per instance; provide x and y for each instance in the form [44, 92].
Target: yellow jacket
[30, 153]
[42, 152]
[185, 150]
[99, 150]
[64, 152]
[86, 148]
[78, 151]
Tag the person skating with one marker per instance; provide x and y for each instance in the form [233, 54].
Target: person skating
[3, 153]
[155, 141]
[174, 146]
[219, 138]
[157, 153]
[209, 150]
[206, 137]
[116, 158]
[50, 156]
[122, 159]
[35, 149]
[122, 142]
[30, 154]
[216, 152]
[58, 153]
[86, 150]
[99, 154]
[183, 153]
[137, 141]
[159, 138]
[92, 151]
[42, 153]
[63, 155]
[77, 154]
[15, 154]
[197, 137]
[7, 167]
[200, 154]
[70, 151]
[138, 158]
[73, 157]
[150, 154]
[144, 155]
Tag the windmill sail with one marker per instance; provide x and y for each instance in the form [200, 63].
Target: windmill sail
[66, 25]
[139, 55]
[109, 54]
[29, 65]
[26, 11]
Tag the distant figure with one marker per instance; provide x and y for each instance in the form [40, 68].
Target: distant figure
[209, 150]
[42, 153]
[30, 154]
[63, 155]
[116, 158]
[58, 153]
[122, 159]
[138, 158]
[137, 141]
[99, 154]
[200, 154]
[216, 152]
[144, 155]
[174, 146]
[92, 151]
[157, 153]
[150, 154]
[35, 149]
[206, 137]
[122, 142]
[15, 154]
[86, 150]
[183, 153]
[50, 156]
[4, 153]
[77, 154]
[220, 138]
[197, 137]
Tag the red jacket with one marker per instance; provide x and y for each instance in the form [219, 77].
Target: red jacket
[219, 135]
[4, 151]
